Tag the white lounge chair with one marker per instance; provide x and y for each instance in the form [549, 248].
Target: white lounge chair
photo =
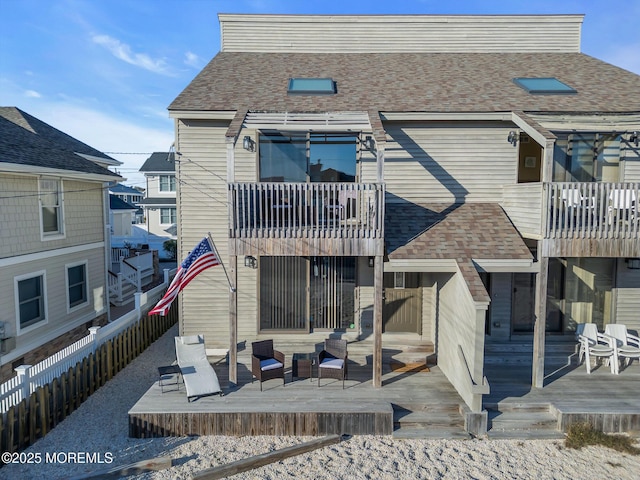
[198, 375]
[626, 346]
[595, 344]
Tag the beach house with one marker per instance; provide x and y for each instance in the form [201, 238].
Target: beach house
[459, 180]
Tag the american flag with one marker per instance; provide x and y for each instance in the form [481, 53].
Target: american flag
[201, 258]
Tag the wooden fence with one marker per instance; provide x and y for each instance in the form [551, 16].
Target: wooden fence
[48, 405]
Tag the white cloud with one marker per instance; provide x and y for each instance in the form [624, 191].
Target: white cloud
[123, 52]
[193, 60]
[32, 94]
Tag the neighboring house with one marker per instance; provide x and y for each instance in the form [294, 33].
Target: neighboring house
[121, 215]
[454, 179]
[160, 196]
[53, 239]
[132, 196]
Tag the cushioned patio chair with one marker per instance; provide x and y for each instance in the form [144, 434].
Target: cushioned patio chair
[332, 360]
[595, 344]
[266, 363]
[626, 346]
[198, 375]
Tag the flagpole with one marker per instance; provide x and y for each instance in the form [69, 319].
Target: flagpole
[213, 245]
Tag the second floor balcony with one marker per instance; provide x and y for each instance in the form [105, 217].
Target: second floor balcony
[334, 212]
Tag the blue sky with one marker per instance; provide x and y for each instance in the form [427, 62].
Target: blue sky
[104, 71]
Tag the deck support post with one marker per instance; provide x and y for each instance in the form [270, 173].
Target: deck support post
[377, 321]
[537, 370]
[233, 320]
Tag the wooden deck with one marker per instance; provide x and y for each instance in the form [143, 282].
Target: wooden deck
[411, 403]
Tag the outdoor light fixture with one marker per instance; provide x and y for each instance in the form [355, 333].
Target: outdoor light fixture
[248, 144]
[513, 138]
[368, 143]
[634, 138]
[250, 262]
[633, 263]
[371, 262]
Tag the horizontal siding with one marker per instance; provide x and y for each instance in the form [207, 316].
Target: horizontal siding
[447, 162]
[20, 233]
[628, 297]
[202, 208]
[56, 300]
[415, 33]
[523, 204]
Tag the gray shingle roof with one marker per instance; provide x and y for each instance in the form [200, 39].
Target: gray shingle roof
[25, 140]
[159, 162]
[116, 203]
[401, 82]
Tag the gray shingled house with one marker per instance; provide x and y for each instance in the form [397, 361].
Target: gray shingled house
[459, 181]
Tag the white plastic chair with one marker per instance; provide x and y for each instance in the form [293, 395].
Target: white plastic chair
[595, 344]
[626, 346]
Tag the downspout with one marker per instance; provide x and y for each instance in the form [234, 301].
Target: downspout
[107, 246]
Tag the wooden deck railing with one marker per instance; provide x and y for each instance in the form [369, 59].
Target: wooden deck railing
[593, 210]
[306, 210]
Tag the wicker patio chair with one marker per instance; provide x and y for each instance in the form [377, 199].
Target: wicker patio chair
[266, 363]
[332, 360]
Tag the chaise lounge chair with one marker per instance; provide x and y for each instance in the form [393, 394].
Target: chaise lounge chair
[198, 375]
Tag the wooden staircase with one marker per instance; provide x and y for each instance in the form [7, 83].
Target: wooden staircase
[419, 420]
[508, 420]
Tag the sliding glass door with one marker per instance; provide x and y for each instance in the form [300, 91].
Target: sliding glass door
[305, 293]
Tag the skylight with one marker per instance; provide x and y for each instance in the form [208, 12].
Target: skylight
[312, 86]
[549, 85]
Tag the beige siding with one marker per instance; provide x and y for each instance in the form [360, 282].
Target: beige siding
[441, 162]
[202, 208]
[394, 33]
[631, 162]
[628, 297]
[21, 232]
[523, 204]
[59, 319]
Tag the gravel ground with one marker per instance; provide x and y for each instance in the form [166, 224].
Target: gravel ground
[100, 427]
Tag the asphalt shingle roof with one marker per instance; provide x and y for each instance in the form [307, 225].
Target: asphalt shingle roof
[159, 162]
[25, 140]
[116, 203]
[409, 82]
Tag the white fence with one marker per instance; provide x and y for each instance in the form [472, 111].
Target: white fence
[29, 377]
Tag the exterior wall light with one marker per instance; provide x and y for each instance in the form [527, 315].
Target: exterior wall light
[371, 262]
[251, 262]
[634, 138]
[368, 143]
[248, 144]
[513, 137]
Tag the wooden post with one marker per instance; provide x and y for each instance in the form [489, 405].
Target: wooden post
[233, 320]
[537, 370]
[377, 321]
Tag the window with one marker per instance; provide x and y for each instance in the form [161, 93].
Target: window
[311, 86]
[587, 157]
[77, 285]
[541, 86]
[30, 291]
[314, 157]
[51, 207]
[168, 216]
[167, 183]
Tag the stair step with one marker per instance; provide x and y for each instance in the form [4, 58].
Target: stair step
[525, 434]
[524, 421]
[407, 407]
[430, 433]
[529, 407]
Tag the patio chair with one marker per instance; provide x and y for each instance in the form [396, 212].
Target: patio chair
[594, 344]
[198, 375]
[332, 360]
[266, 363]
[626, 346]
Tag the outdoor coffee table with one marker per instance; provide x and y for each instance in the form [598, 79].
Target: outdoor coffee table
[168, 370]
[302, 365]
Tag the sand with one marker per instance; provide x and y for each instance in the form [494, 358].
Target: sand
[99, 428]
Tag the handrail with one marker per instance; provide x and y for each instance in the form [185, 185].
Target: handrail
[476, 389]
[131, 274]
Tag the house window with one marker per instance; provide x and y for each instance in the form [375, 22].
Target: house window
[51, 207]
[167, 183]
[587, 157]
[77, 285]
[311, 86]
[30, 291]
[541, 86]
[168, 216]
[310, 157]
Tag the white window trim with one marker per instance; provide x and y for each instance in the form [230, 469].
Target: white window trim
[40, 273]
[62, 233]
[167, 192]
[160, 215]
[86, 285]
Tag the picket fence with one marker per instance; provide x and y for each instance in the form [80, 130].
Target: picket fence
[40, 396]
